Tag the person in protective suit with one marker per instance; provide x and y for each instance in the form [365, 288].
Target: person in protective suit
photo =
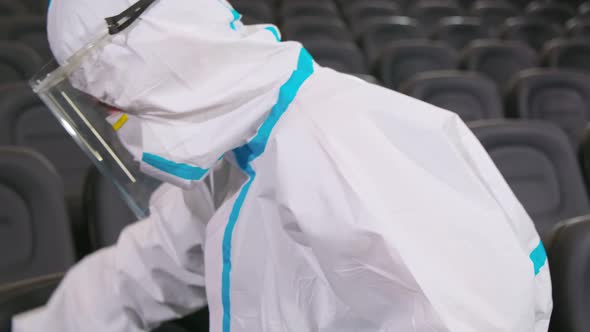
[348, 206]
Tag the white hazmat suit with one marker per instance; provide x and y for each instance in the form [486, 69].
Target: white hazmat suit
[348, 207]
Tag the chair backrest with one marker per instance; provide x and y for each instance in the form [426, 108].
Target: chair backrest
[460, 31]
[29, 30]
[402, 60]
[254, 11]
[579, 28]
[106, 211]
[362, 11]
[540, 166]
[378, 32]
[17, 62]
[11, 8]
[499, 60]
[568, 54]
[307, 28]
[309, 9]
[25, 121]
[493, 13]
[568, 251]
[532, 30]
[341, 56]
[470, 95]
[559, 96]
[429, 13]
[35, 239]
[555, 12]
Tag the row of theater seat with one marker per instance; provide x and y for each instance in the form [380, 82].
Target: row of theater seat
[536, 159]
[427, 11]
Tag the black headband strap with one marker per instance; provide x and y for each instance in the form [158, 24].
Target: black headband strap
[120, 22]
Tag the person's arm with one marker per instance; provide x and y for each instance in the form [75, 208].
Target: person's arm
[523, 226]
[154, 273]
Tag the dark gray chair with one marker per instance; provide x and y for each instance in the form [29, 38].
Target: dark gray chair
[11, 8]
[305, 29]
[375, 34]
[254, 12]
[540, 166]
[568, 251]
[429, 13]
[579, 28]
[499, 60]
[558, 96]
[493, 13]
[35, 239]
[470, 95]
[459, 31]
[29, 30]
[361, 11]
[554, 12]
[402, 60]
[37, 6]
[568, 54]
[26, 122]
[309, 9]
[531, 30]
[17, 62]
[343, 57]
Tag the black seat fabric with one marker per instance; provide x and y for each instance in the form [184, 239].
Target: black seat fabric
[568, 251]
[554, 12]
[361, 11]
[379, 32]
[584, 154]
[35, 239]
[470, 95]
[579, 28]
[368, 78]
[254, 11]
[25, 121]
[460, 31]
[540, 166]
[309, 9]
[107, 213]
[29, 30]
[429, 13]
[493, 13]
[499, 60]
[584, 9]
[37, 6]
[559, 96]
[569, 54]
[533, 31]
[11, 8]
[306, 29]
[402, 60]
[17, 62]
[343, 57]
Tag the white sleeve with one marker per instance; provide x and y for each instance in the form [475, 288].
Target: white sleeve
[522, 224]
[153, 274]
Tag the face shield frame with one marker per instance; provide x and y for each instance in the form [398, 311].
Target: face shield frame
[94, 125]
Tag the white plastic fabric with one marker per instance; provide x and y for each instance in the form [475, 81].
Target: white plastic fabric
[348, 207]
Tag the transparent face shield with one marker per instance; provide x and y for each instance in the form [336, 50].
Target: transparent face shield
[94, 125]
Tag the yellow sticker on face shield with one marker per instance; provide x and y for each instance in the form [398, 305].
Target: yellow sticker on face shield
[121, 122]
